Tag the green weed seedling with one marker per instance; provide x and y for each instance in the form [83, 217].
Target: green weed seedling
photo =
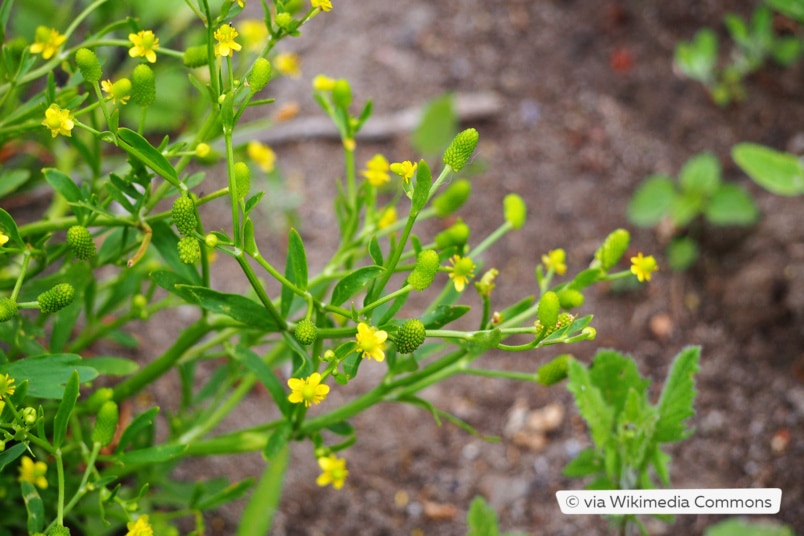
[699, 191]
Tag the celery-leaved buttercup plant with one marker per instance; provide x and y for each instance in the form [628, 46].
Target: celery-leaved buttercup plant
[124, 242]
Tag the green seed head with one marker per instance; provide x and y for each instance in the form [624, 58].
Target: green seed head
[452, 198]
[410, 336]
[189, 250]
[183, 213]
[342, 93]
[570, 298]
[88, 64]
[59, 530]
[56, 298]
[515, 210]
[105, 423]
[424, 272]
[80, 242]
[195, 56]
[260, 75]
[548, 309]
[306, 332]
[242, 175]
[461, 148]
[8, 309]
[455, 235]
[554, 371]
[143, 86]
[612, 249]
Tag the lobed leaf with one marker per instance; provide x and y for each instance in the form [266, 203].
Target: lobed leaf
[677, 398]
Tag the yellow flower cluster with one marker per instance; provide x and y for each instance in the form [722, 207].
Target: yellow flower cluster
[33, 472]
[58, 120]
[376, 172]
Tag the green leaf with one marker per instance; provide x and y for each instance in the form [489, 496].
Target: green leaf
[235, 306]
[68, 401]
[263, 373]
[114, 366]
[481, 519]
[295, 269]
[591, 404]
[353, 283]
[63, 184]
[682, 253]
[264, 503]
[789, 8]
[11, 179]
[741, 527]
[139, 148]
[157, 454]
[47, 374]
[483, 341]
[141, 422]
[697, 59]
[678, 396]
[11, 454]
[615, 374]
[651, 201]
[9, 227]
[685, 207]
[661, 463]
[175, 284]
[342, 428]
[779, 173]
[421, 191]
[34, 506]
[228, 494]
[701, 174]
[586, 463]
[375, 251]
[249, 241]
[443, 315]
[787, 50]
[437, 126]
[731, 205]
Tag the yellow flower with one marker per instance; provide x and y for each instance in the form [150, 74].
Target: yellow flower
[144, 43]
[288, 64]
[371, 342]
[33, 472]
[47, 41]
[225, 35]
[376, 172]
[323, 5]
[254, 33]
[58, 120]
[309, 390]
[388, 218]
[263, 156]
[202, 150]
[140, 527]
[405, 169]
[323, 82]
[6, 385]
[463, 269]
[333, 471]
[643, 267]
[241, 3]
[557, 260]
[3, 239]
[118, 91]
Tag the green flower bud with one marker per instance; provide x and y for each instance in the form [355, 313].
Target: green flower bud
[2, 445]
[59, 530]
[461, 148]
[570, 298]
[306, 332]
[410, 336]
[88, 64]
[260, 75]
[143, 86]
[452, 198]
[56, 298]
[515, 210]
[80, 242]
[105, 423]
[211, 240]
[424, 272]
[548, 309]
[195, 56]
[100, 396]
[455, 235]
[342, 93]
[183, 214]
[242, 175]
[612, 249]
[284, 20]
[189, 250]
[8, 309]
[29, 416]
[554, 371]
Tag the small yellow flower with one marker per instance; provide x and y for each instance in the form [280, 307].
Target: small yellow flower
[144, 43]
[309, 390]
[371, 342]
[323, 5]
[58, 120]
[388, 218]
[323, 82]
[33, 472]
[463, 269]
[557, 260]
[202, 150]
[225, 35]
[47, 41]
[7, 387]
[262, 155]
[486, 283]
[3, 239]
[405, 169]
[254, 33]
[643, 267]
[118, 91]
[140, 527]
[376, 172]
[241, 3]
[288, 64]
[333, 471]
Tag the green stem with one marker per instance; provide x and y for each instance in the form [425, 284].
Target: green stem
[489, 240]
[60, 476]
[230, 166]
[505, 374]
[385, 299]
[82, 488]
[444, 174]
[394, 259]
[261, 294]
[26, 259]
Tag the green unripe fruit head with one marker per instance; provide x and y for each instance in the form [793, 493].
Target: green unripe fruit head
[143, 85]
[424, 272]
[88, 64]
[260, 75]
[461, 149]
[455, 235]
[570, 298]
[105, 423]
[183, 214]
[195, 56]
[284, 20]
[548, 309]
[342, 93]
[452, 198]
[242, 175]
[515, 210]
[56, 298]
[189, 250]
[612, 249]
[554, 371]
[306, 332]
[8, 309]
[80, 242]
[410, 336]
[59, 530]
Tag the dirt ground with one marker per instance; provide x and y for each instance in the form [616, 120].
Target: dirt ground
[579, 129]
